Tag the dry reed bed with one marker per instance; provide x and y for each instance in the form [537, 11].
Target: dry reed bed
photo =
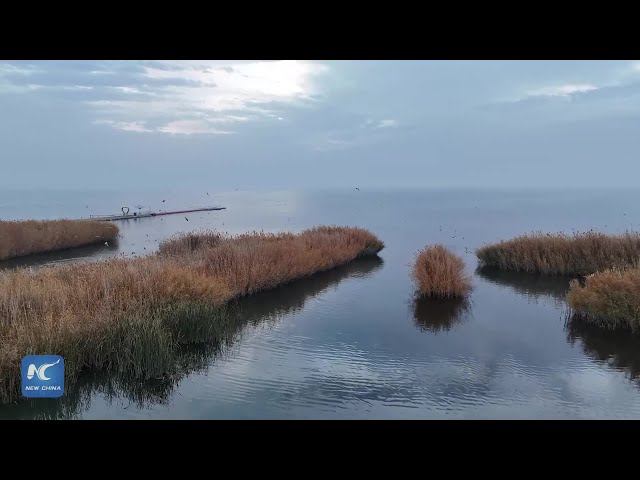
[560, 254]
[128, 315]
[609, 299]
[19, 238]
[439, 273]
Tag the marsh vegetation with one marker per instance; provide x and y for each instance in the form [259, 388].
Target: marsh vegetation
[20, 238]
[129, 315]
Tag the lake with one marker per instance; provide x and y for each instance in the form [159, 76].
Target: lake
[354, 342]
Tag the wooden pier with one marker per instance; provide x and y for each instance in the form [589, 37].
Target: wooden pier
[130, 216]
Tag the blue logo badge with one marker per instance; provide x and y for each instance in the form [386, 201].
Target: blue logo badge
[42, 376]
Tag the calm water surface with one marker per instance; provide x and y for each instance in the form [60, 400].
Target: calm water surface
[354, 343]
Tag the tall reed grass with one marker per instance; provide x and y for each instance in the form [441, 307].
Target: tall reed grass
[609, 299]
[19, 238]
[126, 315]
[439, 273]
[197, 348]
[560, 254]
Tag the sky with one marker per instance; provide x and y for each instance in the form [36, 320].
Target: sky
[273, 125]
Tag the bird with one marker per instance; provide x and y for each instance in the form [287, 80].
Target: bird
[357, 189]
[186, 219]
[162, 201]
[106, 243]
[207, 193]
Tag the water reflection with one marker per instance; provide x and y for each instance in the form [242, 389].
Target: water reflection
[263, 307]
[90, 252]
[533, 286]
[270, 305]
[618, 349]
[437, 315]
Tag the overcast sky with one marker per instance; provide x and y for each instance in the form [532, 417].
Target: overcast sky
[307, 124]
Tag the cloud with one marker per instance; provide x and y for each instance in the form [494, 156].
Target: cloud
[126, 126]
[176, 97]
[7, 69]
[191, 127]
[130, 90]
[7, 87]
[388, 123]
[367, 132]
[561, 90]
[192, 97]
[77, 87]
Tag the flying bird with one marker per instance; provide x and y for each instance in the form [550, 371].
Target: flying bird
[357, 189]
[186, 219]
[162, 201]
[106, 243]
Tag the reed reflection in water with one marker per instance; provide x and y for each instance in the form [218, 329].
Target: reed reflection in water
[440, 315]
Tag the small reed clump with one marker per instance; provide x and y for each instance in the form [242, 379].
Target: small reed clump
[127, 315]
[560, 254]
[19, 238]
[440, 273]
[609, 299]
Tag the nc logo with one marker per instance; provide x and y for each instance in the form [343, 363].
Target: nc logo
[42, 376]
[39, 371]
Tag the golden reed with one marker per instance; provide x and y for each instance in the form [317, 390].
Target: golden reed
[19, 238]
[127, 315]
